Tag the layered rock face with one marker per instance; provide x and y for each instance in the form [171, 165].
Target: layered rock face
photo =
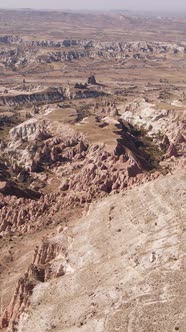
[145, 220]
[83, 171]
[79, 171]
[41, 270]
[48, 96]
[92, 172]
[158, 47]
[85, 278]
[68, 50]
[165, 126]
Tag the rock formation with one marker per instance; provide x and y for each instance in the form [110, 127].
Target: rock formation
[82, 49]
[98, 246]
[92, 172]
[92, 80]
[85, 171]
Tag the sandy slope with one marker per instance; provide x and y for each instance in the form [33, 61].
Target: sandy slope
[125, 268]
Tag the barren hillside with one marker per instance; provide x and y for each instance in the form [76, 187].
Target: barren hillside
[92, 172]
[119, 268]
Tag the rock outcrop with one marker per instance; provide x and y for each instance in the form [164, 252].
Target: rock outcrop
[19, 303]
[92, 80]
[135, 251]
[49, 96]
[44, 267]
[70, 50]
[92, 172]
[167, 127]
[81, 171]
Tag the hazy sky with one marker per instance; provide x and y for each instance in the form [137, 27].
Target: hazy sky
[166, 5]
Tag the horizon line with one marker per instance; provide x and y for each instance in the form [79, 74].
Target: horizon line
[93, 10]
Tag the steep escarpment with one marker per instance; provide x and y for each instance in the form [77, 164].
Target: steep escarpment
[85, 277]
[40, 270]
[9, 186]
[166, 126]
[158, 47]
[68, 170]
[92, 172]
[69, 50]
[48, 96]
[65, 166]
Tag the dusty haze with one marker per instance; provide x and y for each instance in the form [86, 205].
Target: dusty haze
[164, 5]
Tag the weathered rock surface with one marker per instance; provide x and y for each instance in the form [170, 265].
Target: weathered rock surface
[165, 126]
[92, 80]
[81, 171]
[92, 186]
[120, 267]
[48, 96]
[69, 50]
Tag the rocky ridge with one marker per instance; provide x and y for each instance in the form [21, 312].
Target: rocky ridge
[156, 240]
[168, 127]
[92, 192]
[48, 96]
[86, 172]
[79, 49]
[143, 46]
[83, 171]
[44, 156]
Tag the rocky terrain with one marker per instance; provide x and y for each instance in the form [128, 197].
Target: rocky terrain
[120, 267]
[92, 173]
[69, 50]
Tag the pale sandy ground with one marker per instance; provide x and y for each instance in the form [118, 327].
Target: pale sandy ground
[125, 270]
